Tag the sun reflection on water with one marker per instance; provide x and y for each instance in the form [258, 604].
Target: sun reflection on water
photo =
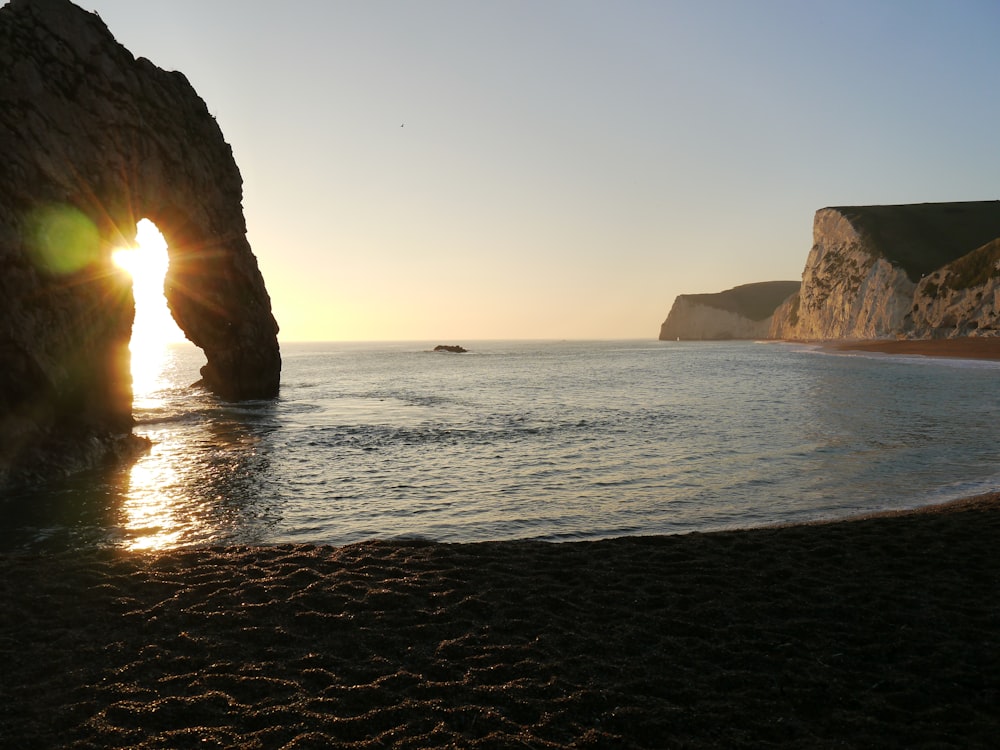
[151, 519]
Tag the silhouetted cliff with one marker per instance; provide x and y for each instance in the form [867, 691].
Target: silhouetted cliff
[92, 140]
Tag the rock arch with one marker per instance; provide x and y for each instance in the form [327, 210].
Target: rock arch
[93, 140]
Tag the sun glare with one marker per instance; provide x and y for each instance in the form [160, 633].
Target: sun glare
[151, 520]
[154, 328]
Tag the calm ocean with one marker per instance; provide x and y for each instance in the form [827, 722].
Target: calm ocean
[544, 440]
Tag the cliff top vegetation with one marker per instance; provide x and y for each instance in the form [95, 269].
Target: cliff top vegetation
[754, 301]
[975, 268]
[922, 237]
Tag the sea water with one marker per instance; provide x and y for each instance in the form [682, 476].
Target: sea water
[527, 440]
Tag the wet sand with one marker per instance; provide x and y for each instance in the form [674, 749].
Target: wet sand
[959, 348]
[878, 632]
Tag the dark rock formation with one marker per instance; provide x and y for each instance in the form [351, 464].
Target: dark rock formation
[919, 271]
[743, 312]
[453, 348]
[92, 140]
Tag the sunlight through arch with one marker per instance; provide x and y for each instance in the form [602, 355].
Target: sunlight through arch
[154, 328]
[151, 515]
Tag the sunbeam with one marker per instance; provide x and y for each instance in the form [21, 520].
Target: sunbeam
[154, 327]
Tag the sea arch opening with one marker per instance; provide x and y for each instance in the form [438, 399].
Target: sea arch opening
[155, 333]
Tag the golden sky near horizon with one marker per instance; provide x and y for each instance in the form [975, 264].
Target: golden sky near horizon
[452, 171]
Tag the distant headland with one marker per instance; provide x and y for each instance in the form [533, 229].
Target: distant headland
[914, 271]
[743, 312]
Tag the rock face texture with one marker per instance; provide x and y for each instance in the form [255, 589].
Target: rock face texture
[961, 298]
[920, 270]
[92, 140]
[743, 312]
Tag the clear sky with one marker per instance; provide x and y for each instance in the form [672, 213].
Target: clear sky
[451, 170]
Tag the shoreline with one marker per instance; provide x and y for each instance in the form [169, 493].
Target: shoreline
[878, 630]
[985, 501]
[968, 347]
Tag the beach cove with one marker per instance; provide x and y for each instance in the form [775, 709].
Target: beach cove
[880, 630]
[539, 529]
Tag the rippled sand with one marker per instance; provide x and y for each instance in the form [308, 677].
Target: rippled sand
[870, 633]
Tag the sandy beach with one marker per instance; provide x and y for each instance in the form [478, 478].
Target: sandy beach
[971, 347]
[876, 632]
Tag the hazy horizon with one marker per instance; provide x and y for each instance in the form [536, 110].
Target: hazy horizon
[455, 171]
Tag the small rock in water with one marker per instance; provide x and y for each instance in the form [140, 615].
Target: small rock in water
[455, 349]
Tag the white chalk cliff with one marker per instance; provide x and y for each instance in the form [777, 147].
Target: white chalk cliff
[961, 299]
[921, 271]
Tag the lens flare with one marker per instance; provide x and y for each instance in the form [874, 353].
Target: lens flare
[63, 239]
